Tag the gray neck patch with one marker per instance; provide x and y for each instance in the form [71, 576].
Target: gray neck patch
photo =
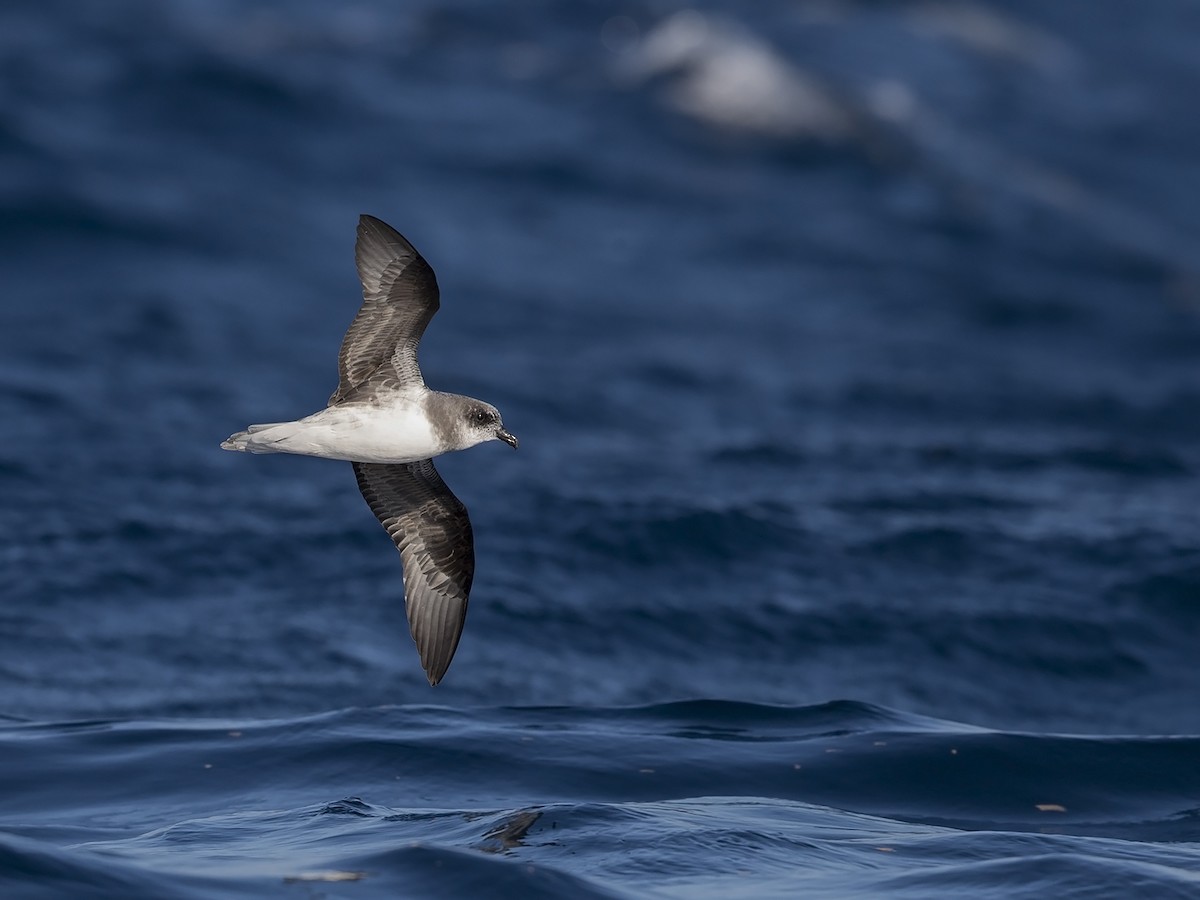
[448, 413]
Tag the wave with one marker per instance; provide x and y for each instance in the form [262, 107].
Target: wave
[593, 802]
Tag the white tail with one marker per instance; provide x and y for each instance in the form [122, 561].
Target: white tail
[245, 440]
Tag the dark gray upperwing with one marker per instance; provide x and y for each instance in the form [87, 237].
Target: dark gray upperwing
[400, 296]
[430, 528]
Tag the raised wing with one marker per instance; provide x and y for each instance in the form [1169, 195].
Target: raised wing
[430, 528]
[400, 296]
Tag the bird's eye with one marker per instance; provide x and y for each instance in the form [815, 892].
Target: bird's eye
[480, 417]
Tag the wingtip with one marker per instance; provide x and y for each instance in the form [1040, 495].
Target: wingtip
[368, 225]
[436, 661]
[375, 236]
[435, 670]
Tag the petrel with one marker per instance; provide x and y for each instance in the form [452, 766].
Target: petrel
[389, 426]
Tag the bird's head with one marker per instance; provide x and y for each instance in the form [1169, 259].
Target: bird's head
[483, 423]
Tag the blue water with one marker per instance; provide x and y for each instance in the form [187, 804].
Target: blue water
[853, 544]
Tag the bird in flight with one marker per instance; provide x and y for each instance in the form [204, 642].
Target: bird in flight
[389, 426]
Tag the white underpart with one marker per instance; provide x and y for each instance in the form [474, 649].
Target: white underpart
[395, 432]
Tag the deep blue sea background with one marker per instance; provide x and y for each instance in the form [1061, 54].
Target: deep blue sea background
[853, 544]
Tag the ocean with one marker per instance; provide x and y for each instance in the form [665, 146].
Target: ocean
[852, 547]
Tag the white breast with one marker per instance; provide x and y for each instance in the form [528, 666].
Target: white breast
[395, 433]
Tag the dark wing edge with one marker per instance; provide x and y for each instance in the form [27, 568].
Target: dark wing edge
[432, 531]
[400, 297]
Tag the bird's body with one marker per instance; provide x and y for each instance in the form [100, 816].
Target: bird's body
[394, 430]
[384, 420]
